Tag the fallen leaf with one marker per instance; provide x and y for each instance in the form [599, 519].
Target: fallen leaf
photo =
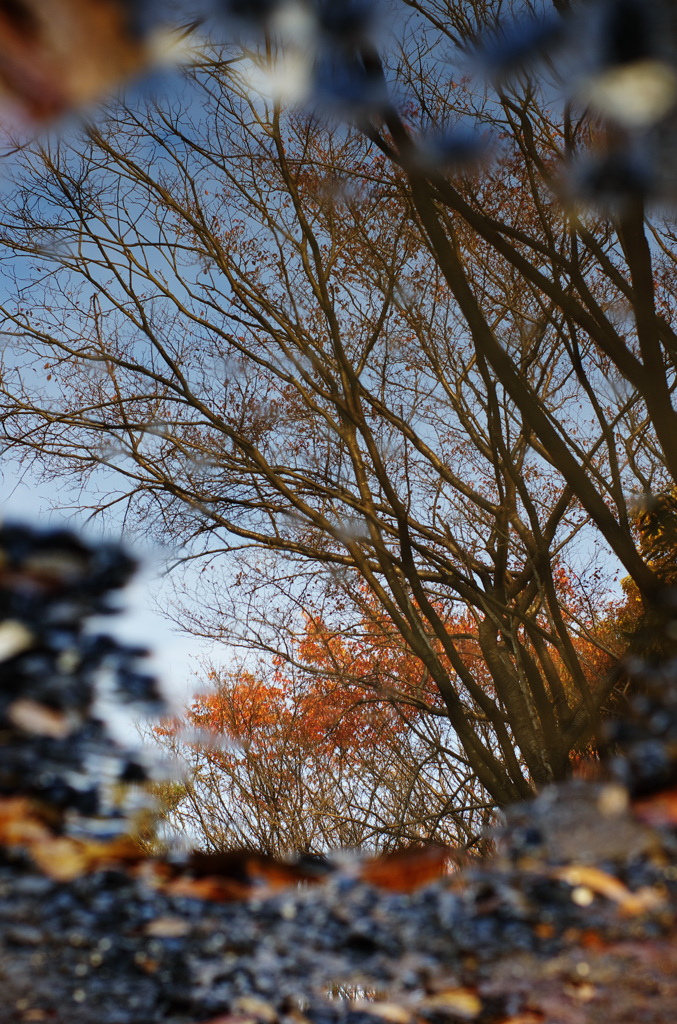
[658, 810]
[530, 1017]
[584, 991]
[233, 875]
[167, 927]
[391, 1012]
[19, 823]
[598, 882]
[211, 888]
[39, 719]
[405, 870]
[14, 638]
[228, 1018]
[251, 1006]
[57, 56]
[458, 1002]
[147, 963]
[59, 858]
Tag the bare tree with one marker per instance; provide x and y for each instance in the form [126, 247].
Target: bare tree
[359, 382]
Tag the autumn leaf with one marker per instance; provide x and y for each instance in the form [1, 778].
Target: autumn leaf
[406, 870]
[588, 882]
[20, 825]
[530, 1017]
[63, 858]
[167, 927]
[57, 56]
[231, 875]
[659, 809]
[392, 1013]
[454, 1002]
[34, 717]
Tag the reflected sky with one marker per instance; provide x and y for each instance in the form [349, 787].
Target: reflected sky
[175, 655]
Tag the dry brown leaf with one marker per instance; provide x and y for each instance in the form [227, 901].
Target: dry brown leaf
[60, 857]
[231, 875]
[252, 1006]
[14, 638]
[530, 1017]
[19, 823]
[657, 810]
[229, 1018]
[56, 56]
[239, 874]
[167, 927]
[599, 883]
[458, 1002]
[583, 991]
[148, 964]
[211, 888]
[64, 859]
[394, 1013]
[406, 870]
[39, 719]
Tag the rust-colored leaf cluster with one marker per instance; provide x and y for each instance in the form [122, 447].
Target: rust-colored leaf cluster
[26, 827]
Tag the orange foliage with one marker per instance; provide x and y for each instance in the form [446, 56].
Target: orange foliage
[376, 657]
[319, 716]
[354, 689]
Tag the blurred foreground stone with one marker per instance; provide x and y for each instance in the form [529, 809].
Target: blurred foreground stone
[559, 944]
